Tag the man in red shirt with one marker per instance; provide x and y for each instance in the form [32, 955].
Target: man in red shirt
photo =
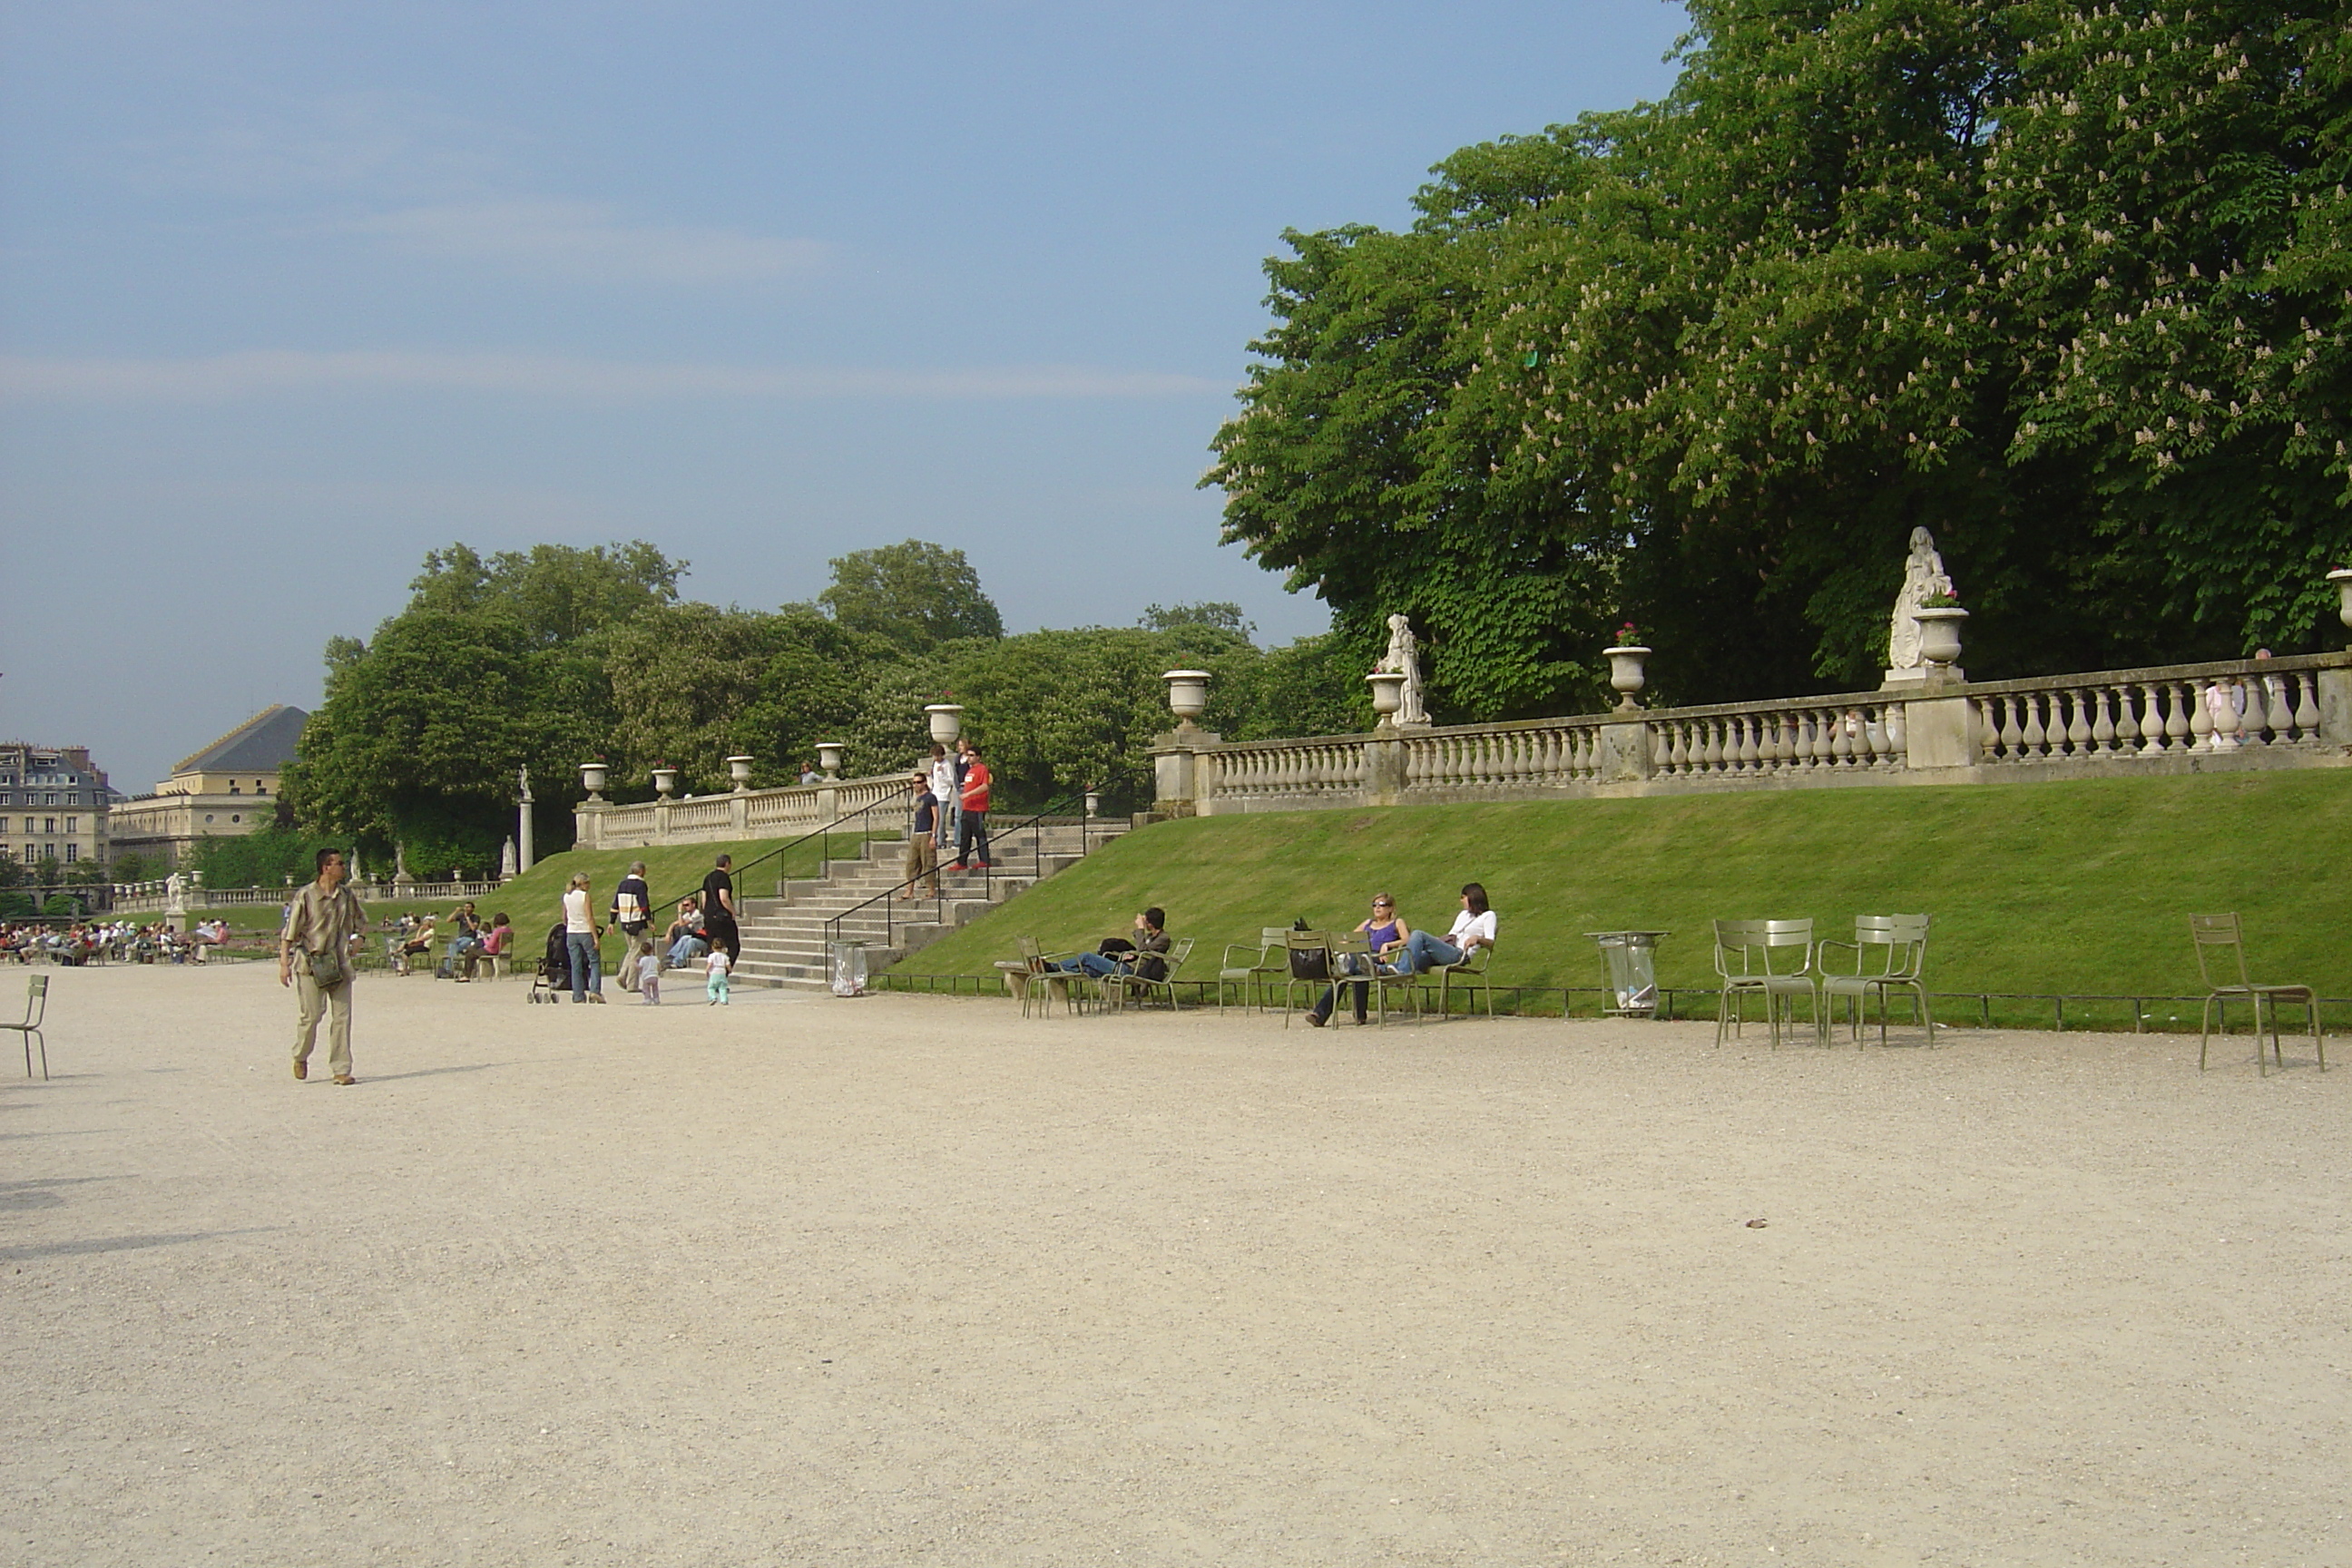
[971, 829]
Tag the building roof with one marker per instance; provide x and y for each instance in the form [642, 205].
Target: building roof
[262, 744]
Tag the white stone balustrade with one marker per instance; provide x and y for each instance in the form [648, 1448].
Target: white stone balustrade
[2277, 712]
[1503, 759]
[2147, 713]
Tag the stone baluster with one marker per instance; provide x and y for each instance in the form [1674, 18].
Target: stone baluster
[2306, 708]
[2103, 727]
[2126, 725]
[2035, 736]
[2200, 716]
[2257, 716]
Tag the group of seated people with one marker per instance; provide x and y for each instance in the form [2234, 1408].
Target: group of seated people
[100, 942]
[1397, 949]
[466, 943]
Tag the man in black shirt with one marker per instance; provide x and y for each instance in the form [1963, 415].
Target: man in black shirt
[718, 911]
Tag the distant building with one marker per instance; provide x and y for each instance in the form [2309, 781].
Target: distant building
[229, 788]
[52, 804]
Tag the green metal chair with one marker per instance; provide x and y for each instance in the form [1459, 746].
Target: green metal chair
[1116, 989]
[1471, 975]
[1353, 963]
[1040, 979]
[1753, 958]
[1889, 953]
[1255, 978]
[2216, 934]
[37, 1006]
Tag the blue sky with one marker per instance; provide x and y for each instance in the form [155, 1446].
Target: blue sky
[291, 294]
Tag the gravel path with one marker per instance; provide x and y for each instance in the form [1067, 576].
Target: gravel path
[911, 1281]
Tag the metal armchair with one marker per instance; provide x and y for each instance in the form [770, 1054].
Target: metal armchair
[1771, 959]
[1889, 953]
[1255, 977]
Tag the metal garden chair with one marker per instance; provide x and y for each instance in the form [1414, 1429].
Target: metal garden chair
[1889, 953]
[36, 1004]
[1308, 961]
[1752, 958]
[2216, 934]
[1255, 977]
[1471, 975]
[1119, 987]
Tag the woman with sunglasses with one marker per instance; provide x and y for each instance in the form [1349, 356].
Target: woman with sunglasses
[1388, 934]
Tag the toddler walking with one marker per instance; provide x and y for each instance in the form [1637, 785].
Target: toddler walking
[649, 978]
[715, 987]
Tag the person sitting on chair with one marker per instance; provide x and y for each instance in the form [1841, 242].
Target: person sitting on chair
[1474, 927]
[1145, 957]
[1385, 929]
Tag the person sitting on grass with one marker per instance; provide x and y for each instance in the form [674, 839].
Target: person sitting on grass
[1144, 957]
[1473, 927]
[1385, 929]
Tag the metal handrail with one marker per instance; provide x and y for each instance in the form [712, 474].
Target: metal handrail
[824, 853]
[888, 897]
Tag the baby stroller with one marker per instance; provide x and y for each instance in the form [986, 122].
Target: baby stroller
[554, 975]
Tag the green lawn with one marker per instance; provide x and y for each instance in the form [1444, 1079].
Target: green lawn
[535, 899]
[2077, 887]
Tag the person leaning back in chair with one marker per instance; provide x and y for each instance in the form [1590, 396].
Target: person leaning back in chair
[1474, 927]
[1145, 957]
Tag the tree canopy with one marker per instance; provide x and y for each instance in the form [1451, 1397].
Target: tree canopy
[916, 595]
[558, 655]
[2067, 285]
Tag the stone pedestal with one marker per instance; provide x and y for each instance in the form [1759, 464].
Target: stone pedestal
[1938, 731]
[1176, 768]
[2336, 704]
[1625, 752]
[1384, 766]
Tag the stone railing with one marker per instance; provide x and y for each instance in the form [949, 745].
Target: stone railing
[153, 897]
[2263, 703]
[2240, 713]
[745, 814]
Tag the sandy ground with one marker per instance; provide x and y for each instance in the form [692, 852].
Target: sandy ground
[911, 1281]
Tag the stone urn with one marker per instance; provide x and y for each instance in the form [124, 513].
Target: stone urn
[828, 758]
[1388, 695]
[1188, 695]
[592, 776]
[1625, 674]
[2342, 578]
[1094, 803]
[1939, 634]
[947, 721]
[665, 782]
[740, 769]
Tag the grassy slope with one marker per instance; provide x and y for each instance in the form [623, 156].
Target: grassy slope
[2078, 887]
[535, 898]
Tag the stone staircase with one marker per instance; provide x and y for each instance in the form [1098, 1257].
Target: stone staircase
[784, 938]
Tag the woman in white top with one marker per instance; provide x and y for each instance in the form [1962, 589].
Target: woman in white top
[581, 932]
[1474, 927]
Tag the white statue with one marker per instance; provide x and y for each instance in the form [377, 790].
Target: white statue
[1403, 657]
[506, 871]
[1922, 578]
[175, 894]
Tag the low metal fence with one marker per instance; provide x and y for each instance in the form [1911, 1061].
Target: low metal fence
[1983, 1009]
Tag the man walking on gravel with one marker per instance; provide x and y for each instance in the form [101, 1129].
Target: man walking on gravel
[323, 924]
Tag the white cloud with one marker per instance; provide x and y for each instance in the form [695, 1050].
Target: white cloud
[261, 372]
[588, 241]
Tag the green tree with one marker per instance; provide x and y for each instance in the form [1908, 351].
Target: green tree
[494, 665]
[2067, 286]
[915, 595]
[1221, 614]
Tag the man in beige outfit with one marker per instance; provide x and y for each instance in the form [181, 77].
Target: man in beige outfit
[324, 926]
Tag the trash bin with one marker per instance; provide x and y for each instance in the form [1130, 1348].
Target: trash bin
[848, 964]
[1631, 957]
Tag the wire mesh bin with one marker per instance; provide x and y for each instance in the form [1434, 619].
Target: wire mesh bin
[1632, 959]
[847, 961]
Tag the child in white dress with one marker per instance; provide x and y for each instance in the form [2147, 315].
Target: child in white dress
[715, 987]
[649, 978]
